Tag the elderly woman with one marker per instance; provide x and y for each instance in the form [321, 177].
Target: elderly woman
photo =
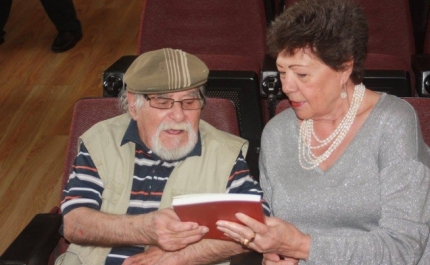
[345, 169]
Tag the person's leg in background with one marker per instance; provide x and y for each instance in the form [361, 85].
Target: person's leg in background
[5, 6]
[62, 13]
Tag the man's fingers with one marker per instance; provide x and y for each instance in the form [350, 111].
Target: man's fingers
[177, 226]
[178, 240]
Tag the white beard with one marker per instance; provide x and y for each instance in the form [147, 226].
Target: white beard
[176, 152]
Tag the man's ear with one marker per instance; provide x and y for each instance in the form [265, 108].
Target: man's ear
[131, 99]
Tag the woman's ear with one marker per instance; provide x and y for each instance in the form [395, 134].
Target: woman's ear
[347, 70]
[131, 99]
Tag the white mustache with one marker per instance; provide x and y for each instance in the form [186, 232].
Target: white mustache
[174, 126]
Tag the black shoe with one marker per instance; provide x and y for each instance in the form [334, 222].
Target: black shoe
[1, 40]
[66, 40]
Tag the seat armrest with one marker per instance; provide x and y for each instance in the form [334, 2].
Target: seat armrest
[421, 68]
[35, 243]
[248, 258]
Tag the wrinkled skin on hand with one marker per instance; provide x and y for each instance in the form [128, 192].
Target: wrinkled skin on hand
[280, 241]
[169, 233]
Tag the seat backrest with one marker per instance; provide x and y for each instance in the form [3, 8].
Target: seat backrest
[219, 112]
[204, 27]
[426, 38]
[223, 62]
[391, 40]
[242, 88]
[86, 113]
[420, 14]
[421, 106]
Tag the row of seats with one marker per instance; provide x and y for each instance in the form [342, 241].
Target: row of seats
[227, 28]
[231, 36]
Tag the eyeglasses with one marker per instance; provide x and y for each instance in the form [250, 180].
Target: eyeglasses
[167, 103]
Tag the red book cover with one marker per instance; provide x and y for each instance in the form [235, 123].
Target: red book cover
[207, 208]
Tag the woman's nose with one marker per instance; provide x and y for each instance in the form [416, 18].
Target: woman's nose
[288, 84]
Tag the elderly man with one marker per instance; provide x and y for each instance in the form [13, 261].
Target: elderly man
[116, 203]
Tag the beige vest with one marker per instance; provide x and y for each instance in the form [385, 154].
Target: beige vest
[207, 173]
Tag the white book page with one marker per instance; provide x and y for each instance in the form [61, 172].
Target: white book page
[214, 197]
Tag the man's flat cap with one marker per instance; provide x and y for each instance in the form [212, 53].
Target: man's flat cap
[165, 71]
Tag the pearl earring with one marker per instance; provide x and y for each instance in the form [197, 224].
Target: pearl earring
[343, 95]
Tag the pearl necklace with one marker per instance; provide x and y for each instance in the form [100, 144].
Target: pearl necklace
[307, 132]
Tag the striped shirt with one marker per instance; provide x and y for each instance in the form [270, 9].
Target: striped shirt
[151, 173]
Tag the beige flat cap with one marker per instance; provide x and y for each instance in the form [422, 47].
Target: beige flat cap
[165, 71]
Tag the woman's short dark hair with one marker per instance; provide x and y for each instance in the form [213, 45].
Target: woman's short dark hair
[336, 30]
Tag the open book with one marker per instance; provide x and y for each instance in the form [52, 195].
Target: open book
[207, 208]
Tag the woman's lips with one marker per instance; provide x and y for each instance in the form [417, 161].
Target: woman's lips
[296, 104]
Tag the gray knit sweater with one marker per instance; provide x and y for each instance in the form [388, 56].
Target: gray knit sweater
[372, 206]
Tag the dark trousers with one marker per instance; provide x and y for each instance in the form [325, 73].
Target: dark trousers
[61, 12]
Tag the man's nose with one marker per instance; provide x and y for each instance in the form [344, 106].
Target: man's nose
[177, 112]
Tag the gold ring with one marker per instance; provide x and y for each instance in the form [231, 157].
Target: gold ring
[245, 242]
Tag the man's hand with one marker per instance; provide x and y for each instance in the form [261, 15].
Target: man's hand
[169, 233]
[161, 228]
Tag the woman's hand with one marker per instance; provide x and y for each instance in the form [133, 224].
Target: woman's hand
[274, 237]
[275, 259]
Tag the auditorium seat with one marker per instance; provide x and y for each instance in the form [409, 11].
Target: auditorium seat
[222, 27]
